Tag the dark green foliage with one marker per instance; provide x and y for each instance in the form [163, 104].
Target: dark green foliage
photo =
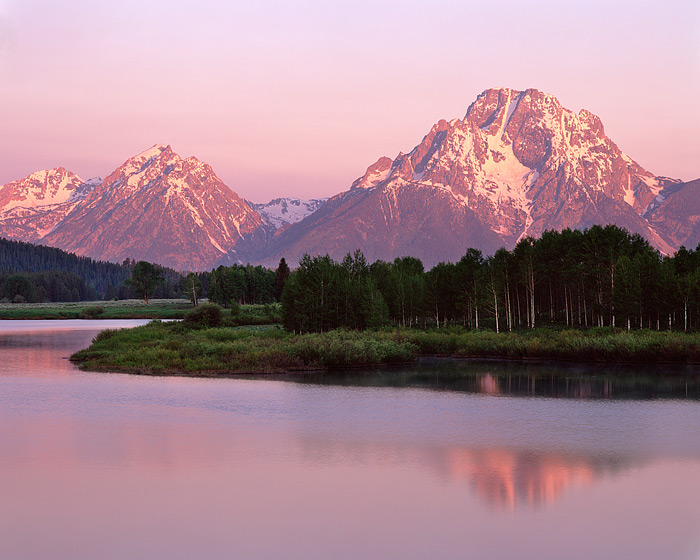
[602, 276]
[192, 287]
[207, 315]
[174, 348]
[92, 312]
[45, 286]
[60, 276]
[17, 288]
[242, 284]
[144, 279]
[281, 275]
[52, 267]
[322, 295]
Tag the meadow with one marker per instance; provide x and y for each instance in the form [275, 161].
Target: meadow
[131, 309]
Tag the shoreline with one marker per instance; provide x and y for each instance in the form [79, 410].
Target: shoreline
[175, 349]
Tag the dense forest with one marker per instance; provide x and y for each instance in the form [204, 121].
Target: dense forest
[602, 276]
[20, 257]
[246, 284]
[34, 273]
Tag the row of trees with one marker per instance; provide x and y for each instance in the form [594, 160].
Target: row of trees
[603, 276]
[246, 284]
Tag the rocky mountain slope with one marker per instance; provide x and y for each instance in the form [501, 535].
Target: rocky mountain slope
[158, 207]
[677, 214]
[517, 164]
[33, 206]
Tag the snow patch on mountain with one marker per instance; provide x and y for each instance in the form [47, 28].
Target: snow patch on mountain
[282, 211]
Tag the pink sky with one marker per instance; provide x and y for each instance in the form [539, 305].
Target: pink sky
[298, 98]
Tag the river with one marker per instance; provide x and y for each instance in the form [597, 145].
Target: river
[439, 461]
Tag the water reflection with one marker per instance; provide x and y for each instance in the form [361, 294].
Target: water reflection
[543, 379]
[118, 466]
[43, 347]
[509, 479]
[504, 479]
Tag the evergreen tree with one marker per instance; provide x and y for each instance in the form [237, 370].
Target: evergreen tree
[144, 279]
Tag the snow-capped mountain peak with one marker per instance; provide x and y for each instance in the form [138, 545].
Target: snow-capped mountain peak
[33, 206]
[518, 163]
[283, 211]
[43, 188]
[158, 206]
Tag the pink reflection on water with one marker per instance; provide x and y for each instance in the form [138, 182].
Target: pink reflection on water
[507, 479]
[114, 466]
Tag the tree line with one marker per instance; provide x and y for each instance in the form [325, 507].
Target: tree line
[602, 276]
[34, 273]
[246, 284]
[44, 286]
[102, 279]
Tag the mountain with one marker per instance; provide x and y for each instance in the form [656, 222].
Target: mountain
[33, 206]
[159, 207]
[284, 211]
[677, 214]
[517, 164]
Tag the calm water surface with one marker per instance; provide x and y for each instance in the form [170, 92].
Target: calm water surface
[445, 460]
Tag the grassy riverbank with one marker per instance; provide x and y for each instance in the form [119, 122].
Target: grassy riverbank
[175, 348]
[123, 309]
[131, 309]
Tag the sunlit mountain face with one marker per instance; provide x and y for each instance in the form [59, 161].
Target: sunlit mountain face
[518, 163]
[159, 207]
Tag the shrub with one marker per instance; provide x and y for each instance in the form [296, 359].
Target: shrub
[206, 315]
[92, 312]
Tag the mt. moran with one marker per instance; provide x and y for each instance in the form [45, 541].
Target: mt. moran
[517, 164]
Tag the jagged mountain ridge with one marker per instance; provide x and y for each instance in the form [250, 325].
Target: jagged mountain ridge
[677, 214]
[517, 164]
[158, 207]
[33, 206]
[283, 211]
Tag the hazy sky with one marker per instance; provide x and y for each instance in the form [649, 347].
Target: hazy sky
[298, 98]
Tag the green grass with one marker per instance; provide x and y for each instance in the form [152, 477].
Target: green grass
[132, 309]
[163, 348]
[123, 309]
[173, 348]
[592, 345]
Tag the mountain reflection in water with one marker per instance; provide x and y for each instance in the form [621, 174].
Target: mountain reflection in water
[505, 479]
[442, 459]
